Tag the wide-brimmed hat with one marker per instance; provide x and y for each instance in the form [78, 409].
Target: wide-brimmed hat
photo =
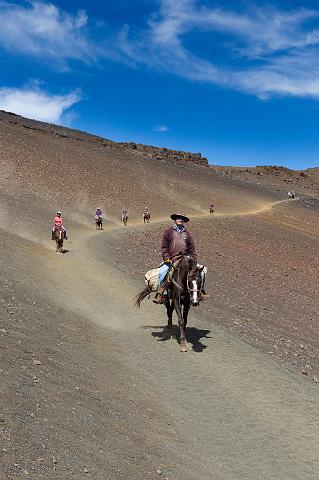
[174, 216]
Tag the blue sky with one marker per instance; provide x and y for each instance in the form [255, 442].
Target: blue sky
[237, 81]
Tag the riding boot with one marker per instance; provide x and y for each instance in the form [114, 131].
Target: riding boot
[203, 295]
[160, 297]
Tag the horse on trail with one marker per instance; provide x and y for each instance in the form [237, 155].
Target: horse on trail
[211, 209]
[125, 218]
[146, 217]
[183, 292]
[58, 236]
[98, 222]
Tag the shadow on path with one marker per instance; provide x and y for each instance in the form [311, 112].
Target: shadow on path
[193, 335]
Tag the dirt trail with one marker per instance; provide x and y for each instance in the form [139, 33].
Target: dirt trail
[91, 387]
[238, 414]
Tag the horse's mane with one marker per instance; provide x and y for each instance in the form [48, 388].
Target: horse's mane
[187, 262]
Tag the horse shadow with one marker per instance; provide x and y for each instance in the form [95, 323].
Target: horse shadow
[64, 251]
[193, 335]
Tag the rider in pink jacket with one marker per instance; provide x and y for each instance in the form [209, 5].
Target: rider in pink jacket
[58, 223]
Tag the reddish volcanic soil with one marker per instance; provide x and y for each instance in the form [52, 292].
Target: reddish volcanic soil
[93, 387]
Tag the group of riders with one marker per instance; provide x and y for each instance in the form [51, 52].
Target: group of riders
[58, 221]
[176, 241]
[291, 194]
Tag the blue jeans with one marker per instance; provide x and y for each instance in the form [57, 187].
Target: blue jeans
[163, 271]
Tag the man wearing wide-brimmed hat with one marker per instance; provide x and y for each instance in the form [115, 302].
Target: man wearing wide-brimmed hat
[176, 240]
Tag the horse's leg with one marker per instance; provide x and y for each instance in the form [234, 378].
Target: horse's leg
[169, 309]
[186, 308]
[177, 306]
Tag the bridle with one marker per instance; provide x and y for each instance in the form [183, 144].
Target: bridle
[195, 290]
[190, 290]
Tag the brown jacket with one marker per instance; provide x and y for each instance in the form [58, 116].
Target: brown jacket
[174, 242]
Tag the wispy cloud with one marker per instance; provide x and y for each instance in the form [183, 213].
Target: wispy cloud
[42, 30]
[262, 50]
[32, 102]
[266, 52]
[161, 128]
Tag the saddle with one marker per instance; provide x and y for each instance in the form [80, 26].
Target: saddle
[176, 261]
[151, 278]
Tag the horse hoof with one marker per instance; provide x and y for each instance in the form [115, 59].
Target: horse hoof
[183, 347]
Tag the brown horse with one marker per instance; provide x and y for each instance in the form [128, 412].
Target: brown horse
[146, 217]
[98, 222]
[58, 235]
[211, 209]
[182, 292]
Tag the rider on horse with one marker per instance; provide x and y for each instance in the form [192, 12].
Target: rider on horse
[146, 214]
[99, 214]
[176, 240]
[58, 224]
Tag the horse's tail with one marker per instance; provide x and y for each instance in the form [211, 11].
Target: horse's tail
[140, 297]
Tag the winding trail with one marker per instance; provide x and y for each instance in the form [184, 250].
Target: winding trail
[236, 414]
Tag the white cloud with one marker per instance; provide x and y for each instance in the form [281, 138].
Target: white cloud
[262, 50]
[32, 102]
[161, 128]
[42, 30]
[268, 51]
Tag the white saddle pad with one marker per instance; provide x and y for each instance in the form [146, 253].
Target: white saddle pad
[151, 279]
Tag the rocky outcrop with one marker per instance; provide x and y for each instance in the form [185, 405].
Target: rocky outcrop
[159, 153]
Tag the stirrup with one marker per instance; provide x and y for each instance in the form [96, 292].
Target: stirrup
[159, 299]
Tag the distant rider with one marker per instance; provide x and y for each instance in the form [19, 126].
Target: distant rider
[99, 214]
[176, 240]
[146, 213]
[124, 213]
[58, 223]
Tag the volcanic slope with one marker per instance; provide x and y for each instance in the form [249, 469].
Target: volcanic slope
[93, 388]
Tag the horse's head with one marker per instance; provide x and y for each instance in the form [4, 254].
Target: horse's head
[194, 282]
[58, 232]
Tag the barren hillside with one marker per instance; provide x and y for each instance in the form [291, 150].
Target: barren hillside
[93, 388]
